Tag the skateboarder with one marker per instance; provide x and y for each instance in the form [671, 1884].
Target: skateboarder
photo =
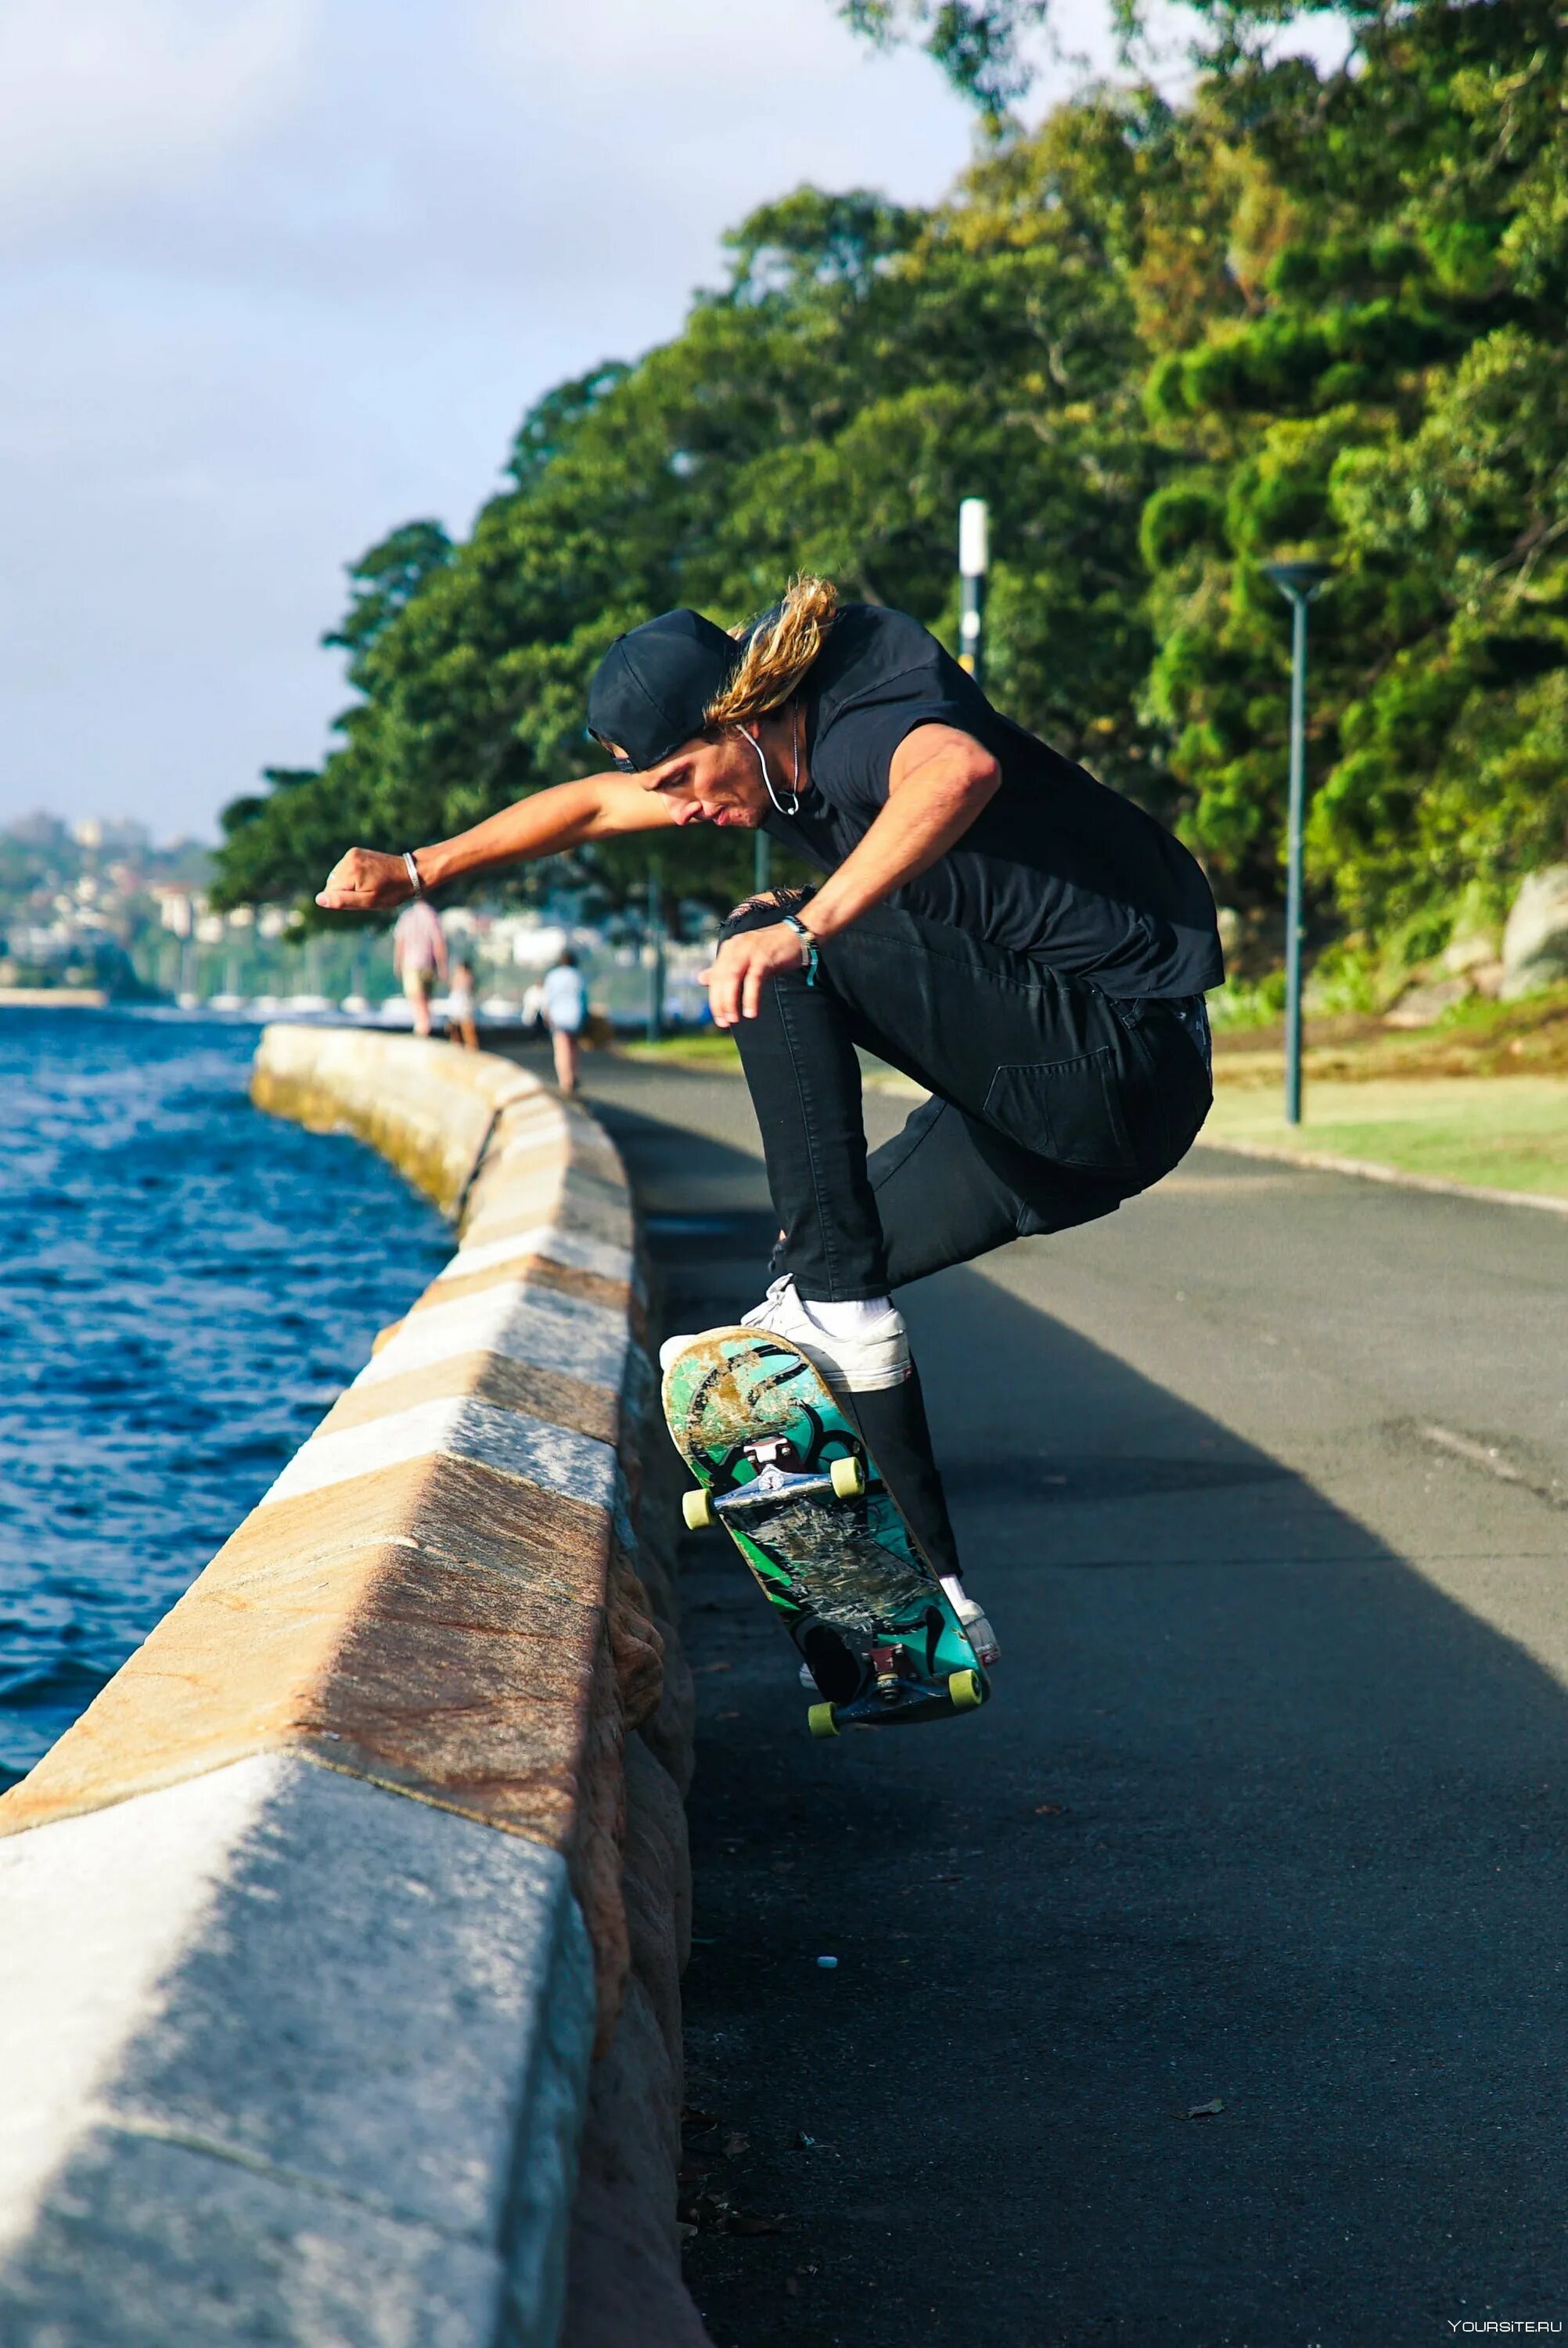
[1025, 944]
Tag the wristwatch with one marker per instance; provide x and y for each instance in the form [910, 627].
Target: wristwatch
[792, 922]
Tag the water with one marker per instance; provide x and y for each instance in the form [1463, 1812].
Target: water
[185, 1286]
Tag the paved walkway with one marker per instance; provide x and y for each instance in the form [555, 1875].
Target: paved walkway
[1264, 1480]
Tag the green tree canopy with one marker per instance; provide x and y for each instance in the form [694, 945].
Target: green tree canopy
[976, 43]
[1303, 313]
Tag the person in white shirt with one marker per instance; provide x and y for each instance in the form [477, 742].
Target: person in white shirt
[566, 1008]
[419, 957]
[460, 1006]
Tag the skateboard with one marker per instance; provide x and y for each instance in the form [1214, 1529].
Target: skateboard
[786, 1471]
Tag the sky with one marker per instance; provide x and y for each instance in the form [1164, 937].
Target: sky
[276, 276]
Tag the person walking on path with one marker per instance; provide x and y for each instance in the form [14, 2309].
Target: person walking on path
[1026, 945]
[460, 1006]
[419, 957]
[566, 1008]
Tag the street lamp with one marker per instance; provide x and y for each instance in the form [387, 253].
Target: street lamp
[653, 950]
[973, 555]
[1298, 582]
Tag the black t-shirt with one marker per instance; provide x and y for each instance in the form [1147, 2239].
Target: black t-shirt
[1055, 866]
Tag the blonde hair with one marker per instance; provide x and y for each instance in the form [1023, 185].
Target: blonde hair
[779, 651]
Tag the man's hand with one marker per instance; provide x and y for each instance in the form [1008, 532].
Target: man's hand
[739, 971]
[366, 881]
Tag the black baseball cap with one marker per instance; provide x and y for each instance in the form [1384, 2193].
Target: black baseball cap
[651, 690]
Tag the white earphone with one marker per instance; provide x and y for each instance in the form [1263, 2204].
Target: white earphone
[779, 807]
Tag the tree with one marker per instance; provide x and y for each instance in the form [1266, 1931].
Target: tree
[386, 579]
[979, 48]
[1373, 380]
[864, 368]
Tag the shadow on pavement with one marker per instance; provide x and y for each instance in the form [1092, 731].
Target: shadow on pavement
[1205, 1990]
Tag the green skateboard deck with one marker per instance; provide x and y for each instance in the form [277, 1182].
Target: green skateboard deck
[785, 1469]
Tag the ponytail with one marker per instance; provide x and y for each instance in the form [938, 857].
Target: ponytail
[778, 653]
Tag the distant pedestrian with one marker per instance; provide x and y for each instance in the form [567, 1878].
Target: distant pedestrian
[419, 957]
[566, 1008]
[460, 1006]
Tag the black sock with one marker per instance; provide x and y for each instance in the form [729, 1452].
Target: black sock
[892, 1421]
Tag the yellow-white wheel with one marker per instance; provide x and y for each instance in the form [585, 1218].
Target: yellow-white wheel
[849, 1479]
[821, 1722]
[964, 1688]
[697, 1509]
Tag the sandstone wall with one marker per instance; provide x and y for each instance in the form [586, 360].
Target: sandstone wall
[341, 1938]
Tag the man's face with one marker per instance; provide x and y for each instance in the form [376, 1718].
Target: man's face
[711, 782]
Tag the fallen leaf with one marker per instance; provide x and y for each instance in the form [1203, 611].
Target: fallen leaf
[735, 2143]
[699, 1668]
[750, 2223]
[1203, 2111]
[1049, 1809]
[709, 2212]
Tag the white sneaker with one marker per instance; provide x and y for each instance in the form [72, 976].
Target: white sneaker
[876, 1357]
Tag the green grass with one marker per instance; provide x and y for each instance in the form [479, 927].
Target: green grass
[1477, 1037]
[707, 1047]
[1505, 1132]
[1509, 1133]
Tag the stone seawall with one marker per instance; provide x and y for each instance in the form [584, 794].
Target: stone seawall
[341, 1938]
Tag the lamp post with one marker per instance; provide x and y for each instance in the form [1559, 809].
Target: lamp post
[653, 926]
[974, 558]
[1298, 582]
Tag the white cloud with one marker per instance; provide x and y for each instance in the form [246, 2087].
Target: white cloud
[112, 97]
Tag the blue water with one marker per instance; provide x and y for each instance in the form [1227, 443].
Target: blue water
[185, 1286]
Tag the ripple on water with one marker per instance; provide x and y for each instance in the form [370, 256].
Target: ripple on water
[188, 1286]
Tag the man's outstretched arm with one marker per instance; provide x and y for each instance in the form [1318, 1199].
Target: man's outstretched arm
[371, 879]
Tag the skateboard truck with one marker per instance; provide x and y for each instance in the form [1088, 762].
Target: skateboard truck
[779, 1476]
[776, 1451]
[891, 1666]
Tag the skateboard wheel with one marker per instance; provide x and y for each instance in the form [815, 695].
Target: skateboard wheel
[964, 1689]
[849, 1479]
[821, 1722]
[697, 1509]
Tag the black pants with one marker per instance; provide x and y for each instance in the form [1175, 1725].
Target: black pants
[1052, 1102]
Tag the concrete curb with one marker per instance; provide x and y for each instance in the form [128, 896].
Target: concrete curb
[1370, 1170]
[348, 1921]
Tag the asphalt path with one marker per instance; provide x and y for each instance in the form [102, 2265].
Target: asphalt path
[1207, 1989]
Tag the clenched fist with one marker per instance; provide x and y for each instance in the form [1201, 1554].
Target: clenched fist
[366, 881]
